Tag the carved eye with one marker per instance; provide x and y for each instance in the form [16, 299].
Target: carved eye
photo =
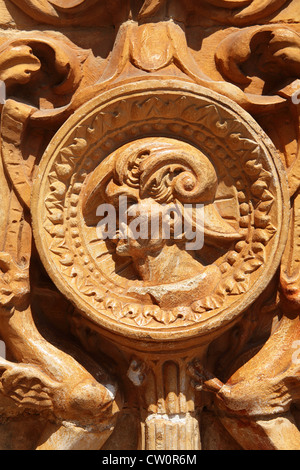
[131, 202]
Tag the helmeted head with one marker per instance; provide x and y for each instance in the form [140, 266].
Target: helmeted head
[153, 173]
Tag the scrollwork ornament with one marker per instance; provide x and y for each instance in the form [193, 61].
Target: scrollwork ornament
[170, 127]
[240, 13]
[82, 12]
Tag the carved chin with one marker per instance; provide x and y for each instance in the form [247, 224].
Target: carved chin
[123, 247]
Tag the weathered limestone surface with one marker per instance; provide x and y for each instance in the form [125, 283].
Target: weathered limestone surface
[149, 225]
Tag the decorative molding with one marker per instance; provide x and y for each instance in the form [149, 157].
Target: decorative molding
[187, 103]
[206, 124]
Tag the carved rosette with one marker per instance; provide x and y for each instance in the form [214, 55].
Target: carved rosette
[251, 196]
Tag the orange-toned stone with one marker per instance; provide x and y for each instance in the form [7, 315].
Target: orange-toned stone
[144, 342]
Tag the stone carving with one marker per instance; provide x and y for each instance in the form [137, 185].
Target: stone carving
[239, 13]
[59, 12]
[149, 265]
[233, 264]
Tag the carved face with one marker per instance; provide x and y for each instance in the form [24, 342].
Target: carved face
[214, 285]
[151, 183]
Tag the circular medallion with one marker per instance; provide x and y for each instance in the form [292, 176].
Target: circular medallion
[160, 210]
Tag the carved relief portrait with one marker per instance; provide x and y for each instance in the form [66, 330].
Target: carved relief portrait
[210, 175]
[170, 186]
[149, 232]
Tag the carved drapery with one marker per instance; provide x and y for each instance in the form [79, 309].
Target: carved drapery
[180, 104]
